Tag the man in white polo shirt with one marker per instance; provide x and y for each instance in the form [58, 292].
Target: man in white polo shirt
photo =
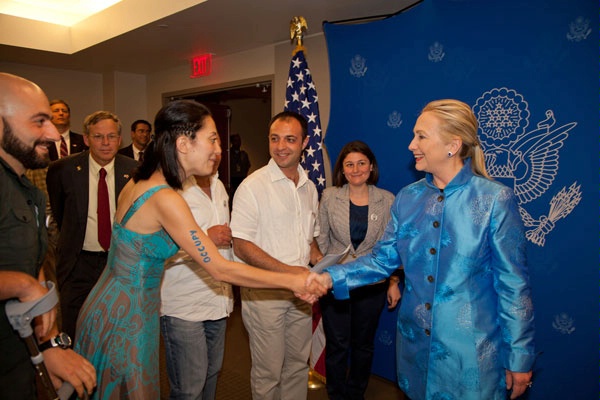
[195, 306]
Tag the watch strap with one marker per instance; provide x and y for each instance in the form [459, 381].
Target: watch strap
[48, 344]
[62, 341]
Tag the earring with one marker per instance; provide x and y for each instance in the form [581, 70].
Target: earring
[450, 154]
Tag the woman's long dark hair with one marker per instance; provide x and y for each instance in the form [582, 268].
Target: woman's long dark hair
[179, 117]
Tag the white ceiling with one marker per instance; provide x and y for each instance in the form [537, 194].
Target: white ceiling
[221, 27]
[62, 12]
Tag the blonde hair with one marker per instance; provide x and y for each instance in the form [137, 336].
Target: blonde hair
[458, 120]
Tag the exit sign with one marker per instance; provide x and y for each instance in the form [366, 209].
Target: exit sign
[201, 65]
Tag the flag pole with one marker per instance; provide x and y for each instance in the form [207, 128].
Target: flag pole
[316, 380]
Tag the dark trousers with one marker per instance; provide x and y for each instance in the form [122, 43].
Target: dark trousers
[77, 286]
[350, 327]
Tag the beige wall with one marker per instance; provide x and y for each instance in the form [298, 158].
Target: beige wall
[133, 96]
[122, 93]
[130, 101]
[82, 90]
[237, 67]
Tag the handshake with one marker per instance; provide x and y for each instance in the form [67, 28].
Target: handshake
[312, 285]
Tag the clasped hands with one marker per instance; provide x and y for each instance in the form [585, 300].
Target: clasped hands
[315, 286]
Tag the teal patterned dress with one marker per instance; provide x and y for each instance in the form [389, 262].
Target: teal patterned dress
[117, 329]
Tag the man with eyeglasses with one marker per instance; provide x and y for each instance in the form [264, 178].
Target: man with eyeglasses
[83, 191]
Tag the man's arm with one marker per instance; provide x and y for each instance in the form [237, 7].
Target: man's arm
[315, 252]
[24, 287]
[62, 364]
[253, 255]
[220, 235]
[21, 286]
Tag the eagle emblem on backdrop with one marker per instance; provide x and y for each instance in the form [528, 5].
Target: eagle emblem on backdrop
[528, 157]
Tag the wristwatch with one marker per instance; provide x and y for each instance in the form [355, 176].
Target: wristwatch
[62, 341]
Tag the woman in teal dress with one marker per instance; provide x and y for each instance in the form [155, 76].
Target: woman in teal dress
[465, 324]
[118, 329]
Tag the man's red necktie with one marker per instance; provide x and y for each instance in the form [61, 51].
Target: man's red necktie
[104, 228]
[63, 148]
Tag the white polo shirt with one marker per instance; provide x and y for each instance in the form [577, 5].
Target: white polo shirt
[189, 292]
[277, 216]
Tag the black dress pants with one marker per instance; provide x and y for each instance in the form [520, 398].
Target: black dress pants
[350, 327]
[77, 286]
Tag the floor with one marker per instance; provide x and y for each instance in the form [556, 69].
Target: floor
[234, 381]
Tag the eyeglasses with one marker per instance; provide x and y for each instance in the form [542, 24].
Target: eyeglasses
[100, 138]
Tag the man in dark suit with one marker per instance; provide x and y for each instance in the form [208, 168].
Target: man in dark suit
[73, 142]
[73, 186]
[141, 131]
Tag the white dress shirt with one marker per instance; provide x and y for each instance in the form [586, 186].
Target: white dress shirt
[136, 152]
[276, 215]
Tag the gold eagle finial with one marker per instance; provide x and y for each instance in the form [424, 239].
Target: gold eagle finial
[297, 28]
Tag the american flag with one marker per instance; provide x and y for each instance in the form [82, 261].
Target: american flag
[301, 97]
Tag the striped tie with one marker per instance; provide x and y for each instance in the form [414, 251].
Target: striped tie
[63, 148]
[103, 212]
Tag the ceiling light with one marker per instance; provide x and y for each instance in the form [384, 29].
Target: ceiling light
[60, 12]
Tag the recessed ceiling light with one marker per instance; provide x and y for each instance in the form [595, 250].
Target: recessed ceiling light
[60, 12]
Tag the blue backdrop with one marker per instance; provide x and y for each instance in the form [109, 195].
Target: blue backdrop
[529, 69]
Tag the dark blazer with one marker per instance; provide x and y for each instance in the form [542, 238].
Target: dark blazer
[68, 191]
[77, 146]
[127, 151]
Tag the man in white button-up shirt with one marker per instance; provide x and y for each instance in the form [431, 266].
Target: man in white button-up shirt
[274, 224]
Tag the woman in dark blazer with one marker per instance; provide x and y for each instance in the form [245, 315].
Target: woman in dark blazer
[353, 212]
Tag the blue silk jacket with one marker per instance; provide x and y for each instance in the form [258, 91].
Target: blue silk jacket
[466, 313]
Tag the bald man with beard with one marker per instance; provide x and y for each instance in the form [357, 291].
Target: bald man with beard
[25, 134]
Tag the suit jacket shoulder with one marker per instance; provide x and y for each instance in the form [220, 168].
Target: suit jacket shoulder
[124, 167]
[69, 162]
[77, 143]
[69, 174]
[127, 151]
